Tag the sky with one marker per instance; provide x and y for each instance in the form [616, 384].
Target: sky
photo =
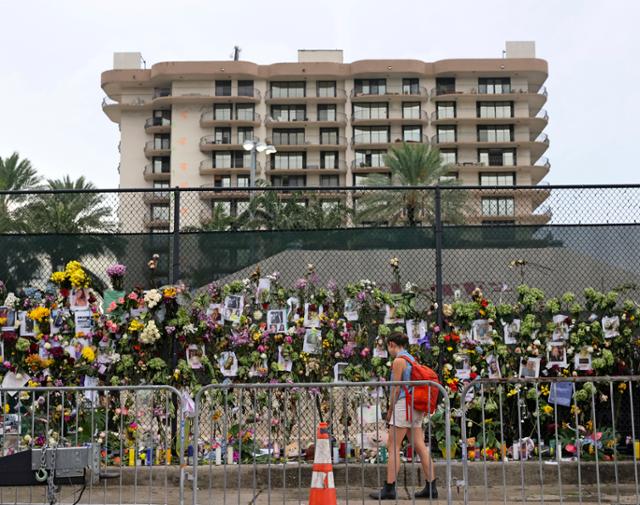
[52, 55]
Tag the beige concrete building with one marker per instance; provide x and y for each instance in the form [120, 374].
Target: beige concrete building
[183, 124]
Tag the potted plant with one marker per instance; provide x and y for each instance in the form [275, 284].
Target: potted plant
[439, 430]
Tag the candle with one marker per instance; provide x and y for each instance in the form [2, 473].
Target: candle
[132, 457]
[168, 456]
[149, 456]
[218, 455]
[229, 455]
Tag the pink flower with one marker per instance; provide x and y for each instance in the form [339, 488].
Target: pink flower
[121, 299]
[133, 296]
[365, 352]
[288, 339]
[112, 307]
[261, 348]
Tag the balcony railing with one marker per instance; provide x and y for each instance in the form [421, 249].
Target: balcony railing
[422, 117]
[478, 90]
[367, 139]
[208, 165]
[209, 116]
[391, 91]
[543, 138]
[161, 92]
[150, 170]
[252, 93]
[296, 94]
[310, 117]
[472, 113]
[157, 145]
[108, 102]
[342, 166]
[363, 165]
[230, 140]
[307, 141]
[157, 121]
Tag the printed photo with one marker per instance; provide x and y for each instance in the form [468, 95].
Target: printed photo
[511, 332]
[338, 372]
[312, 341]
[611, 326]
[80, 298]
[312, 313]
[351, 309]
[416, 330]
[264, 286]
[557, 355]
[277, 321]
[294, 304]
[582, 361]
[390, 315]
[233, 306]
[27, 325]
[259, 371]
[380, 350]
[57, 320]
[285, 365]
[481, 331]
[194, 356]
[228, 364]
[84, 322]
[215, 312]
[529, 368]
[561, 393]
[493, 366]
[561, 328]
[7, 318]
[462, 365]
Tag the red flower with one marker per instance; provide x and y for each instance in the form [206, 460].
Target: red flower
[456, 338]
[473, 375]
[447, 338]
[484, 302]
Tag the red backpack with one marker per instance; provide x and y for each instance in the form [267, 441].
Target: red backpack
[425, 398]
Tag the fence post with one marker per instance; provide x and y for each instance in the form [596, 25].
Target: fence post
[437, 232]
[175, 243]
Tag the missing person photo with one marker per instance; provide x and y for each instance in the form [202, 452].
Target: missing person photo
[264, 286]
[391, 316]
[611, 326]
[380, 350]
[338, 372]
[561, 327]
[214, 312]
[312, 341]
[277, 321]
[351, 309]
[529, 368]
[233, 306]
[284, 364]
[416, 330]
[57, 320]
[493, 366]
[27, 325]
[557, 355]
[481, 331]
[80, 298]
[228, 364]
[511, 332]
[582, 361]
[194, 356]
[462, 365]
[312, 313]
[7, 318]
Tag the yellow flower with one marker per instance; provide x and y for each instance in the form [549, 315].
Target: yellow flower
[547, 409]
[33, 384]
[3, 321]
[622, 387]
[575, 410]
[6, 408]
[544, 390]
[589, 425]
[513, 392]
[79, 279]
[88, 354]
[135, 326]
[326, 344]
[58, 277]
[39, 314]
[169, 292]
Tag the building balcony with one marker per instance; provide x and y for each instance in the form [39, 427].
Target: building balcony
[536, 171]
[213, 192]
[310, 143]
[156, 197]
[535, 96]
[364, 168]
[469, 116]
[247, 96]
[311, 119]
[391, 93]
[366, 142]
[422, 118]
[152, 220]
[537, 145]
[228, 143]
[208, 120]
[340, 96]
[309, 169]
[207, 168]
[152, 173]
[157, 148]
[157, 125]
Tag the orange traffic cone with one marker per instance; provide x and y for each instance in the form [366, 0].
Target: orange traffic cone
[323, 489]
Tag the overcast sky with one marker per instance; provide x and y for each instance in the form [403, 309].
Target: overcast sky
[52, 54]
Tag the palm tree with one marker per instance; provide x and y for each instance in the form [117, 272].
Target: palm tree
[15, 175]
[82, 222]
[220, 220]
[415, 165]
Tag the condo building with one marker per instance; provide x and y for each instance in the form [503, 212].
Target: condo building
[331, 123]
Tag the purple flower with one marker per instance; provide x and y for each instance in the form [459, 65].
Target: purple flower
[212, 289]
[116, 270]
[313, 278]
[348, 350]
[301, 283]
[331, 285]
[239, 338]
[169, 329]
[361, 296]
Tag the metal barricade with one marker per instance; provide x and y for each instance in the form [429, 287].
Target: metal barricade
[92, 445]
[255, 443]
[549, 440]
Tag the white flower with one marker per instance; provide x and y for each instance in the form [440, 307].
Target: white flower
[189, 328]
[257, 315]
[152, 298]
[150, 333]
[536, 342]
[11, 300]
[590, 349]
[449, 366]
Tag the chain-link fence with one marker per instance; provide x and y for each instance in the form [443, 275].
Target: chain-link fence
[448, 238]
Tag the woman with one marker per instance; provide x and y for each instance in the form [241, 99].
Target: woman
[402, 419]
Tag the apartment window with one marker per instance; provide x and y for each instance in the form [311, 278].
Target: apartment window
[327, 112]
[222, 160]
[289, 180]
[495, 133]
[362, 179]
[497, 157]
[445, 85]
[282, 161]
[242, 181]
[449, 156]
[329, 136]
[159, 92]
[161, 185]
[159, 212]
[223, 88]
[411, 86]
[370, 86]
[222, 135]
[495, 109]
[288, 137]
[223, 206]
[497, 179]
[288, 89]
[328, 159]
[242, 206]
[371, 135]
[222, 181]
[329, 205]
[332, 181]
[447, 134]
[245, 88]
[411, 110]
[240, 159]
[412, 133]
[245, 133]
[162, 141]
[502, 206]
[370, 158]
[326, 88]
[222, 112]
[289, 112]
[161, 117]
[446, 110]
[370, 111]
[245, 112]
[494, 85]
[449, 178]
[161, 165]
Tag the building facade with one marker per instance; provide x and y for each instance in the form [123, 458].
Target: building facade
[183, 123]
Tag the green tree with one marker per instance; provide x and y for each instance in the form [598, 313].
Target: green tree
[15, 175]
[416, 165]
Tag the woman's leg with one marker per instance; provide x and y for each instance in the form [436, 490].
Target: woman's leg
[417, 439]
[396, 436]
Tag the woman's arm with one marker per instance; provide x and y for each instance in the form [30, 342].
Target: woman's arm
[397, 368]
